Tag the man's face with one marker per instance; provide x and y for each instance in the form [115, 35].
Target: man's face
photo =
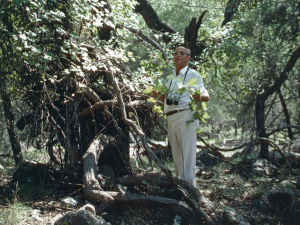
[180, 57]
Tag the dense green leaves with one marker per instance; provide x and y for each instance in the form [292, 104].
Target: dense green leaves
[43, 41]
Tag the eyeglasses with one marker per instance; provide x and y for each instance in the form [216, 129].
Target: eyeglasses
[180, 53]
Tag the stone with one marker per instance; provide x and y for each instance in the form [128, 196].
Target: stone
[286, 184]
[260, 205]
[263, 167]
[206, 159]
[278, 200]
[69, 202]
[80, 217]
[89, 207]
[1, 169]
[295, 146]
[291, 214]
[231, 217]
[107, 171]
[35, 215]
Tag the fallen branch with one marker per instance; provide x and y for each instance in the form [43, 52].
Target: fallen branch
[157, 179]
[92, 188]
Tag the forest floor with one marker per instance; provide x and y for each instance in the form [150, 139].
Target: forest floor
[30, 205]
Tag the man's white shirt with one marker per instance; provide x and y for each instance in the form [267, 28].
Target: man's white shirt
[176, 82]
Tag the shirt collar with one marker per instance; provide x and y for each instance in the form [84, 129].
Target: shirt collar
[182, 71]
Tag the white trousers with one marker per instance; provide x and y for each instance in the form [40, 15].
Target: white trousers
[183, 140]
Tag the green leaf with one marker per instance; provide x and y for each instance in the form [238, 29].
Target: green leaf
[196, 116]
[192, 106]
[192, 82]
[181, 90]
[22, 36]
[151, 100]
[205, 115]
[189, 121]
[157, 109]
[18, 2]
[148, 90]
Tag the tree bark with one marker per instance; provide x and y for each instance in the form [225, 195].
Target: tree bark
[92, 188]
[287, 115]
[194, 198]
[266, 92]
[10, 120]
[191, 36]
[260, 125]
[231, 9]
[151, 18]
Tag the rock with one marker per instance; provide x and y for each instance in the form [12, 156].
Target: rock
[207, 160]
[35, 215]
[1, 169]
[79, 198]
[107, 171]
[231, 217]
[80, 217]
[287, 184]
[295, 146]
[297, 172]
[263, 167]
[260, 205]
[89, 207]
[291, 213]
[69, 202]
[278, 200]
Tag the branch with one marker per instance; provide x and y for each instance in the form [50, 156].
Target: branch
[111, 103]
[191, 36]
[284, 74]
[254, 141]
[137, 129]
[282, 128]
[154, 44]
[151, 17]
[68, 81]
[156, 179]
[178, 207]
[92, 188]
[231, 9]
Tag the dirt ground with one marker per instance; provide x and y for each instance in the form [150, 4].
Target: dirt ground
[42, 205]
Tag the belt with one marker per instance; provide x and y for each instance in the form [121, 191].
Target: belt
[174, 111]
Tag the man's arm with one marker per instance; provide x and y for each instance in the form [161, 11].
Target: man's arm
[201, 98]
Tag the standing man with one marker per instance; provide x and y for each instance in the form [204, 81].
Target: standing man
[182, 136]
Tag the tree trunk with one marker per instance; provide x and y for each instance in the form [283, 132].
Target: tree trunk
[260, 125]
[10, 119]
[266, 92]
[92, 188]
[191, 36]
[287, 115]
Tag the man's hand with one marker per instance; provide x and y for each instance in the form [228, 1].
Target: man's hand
[201, 98]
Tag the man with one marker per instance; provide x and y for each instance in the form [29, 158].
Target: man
[182, 136]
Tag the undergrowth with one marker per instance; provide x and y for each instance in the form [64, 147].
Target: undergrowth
[14, 211]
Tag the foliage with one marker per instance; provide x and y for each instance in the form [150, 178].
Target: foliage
[44, 42]
[16, 209]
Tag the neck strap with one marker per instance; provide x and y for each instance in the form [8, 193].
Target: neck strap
[183, 83]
